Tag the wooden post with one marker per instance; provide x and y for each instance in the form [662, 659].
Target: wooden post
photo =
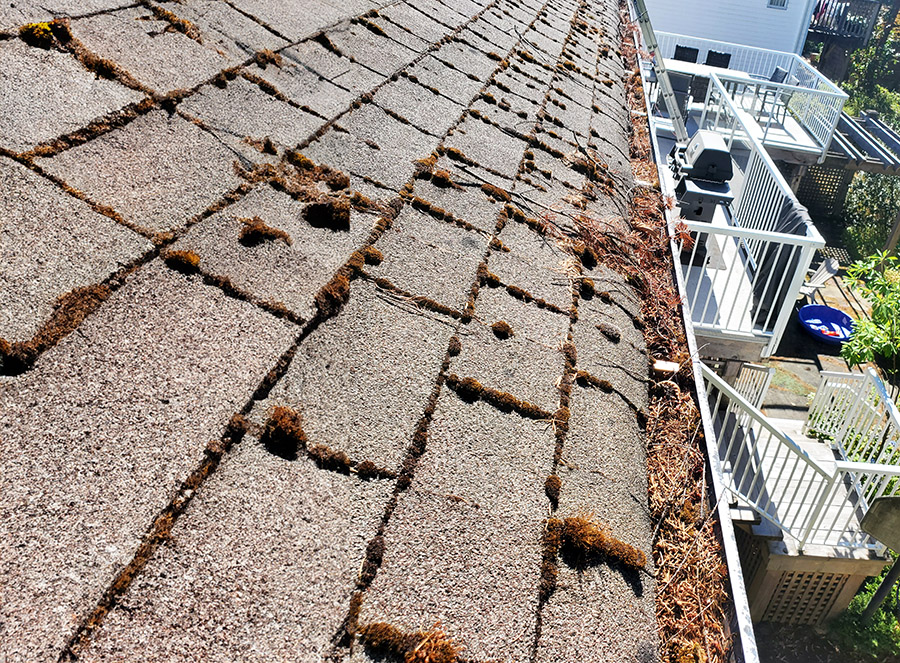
[891, 244]
[882, 592]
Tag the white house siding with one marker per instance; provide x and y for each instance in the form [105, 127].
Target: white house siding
[749, 22]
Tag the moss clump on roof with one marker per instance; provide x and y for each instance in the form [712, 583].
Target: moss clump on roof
[372, 256]
[552, 486]
[183, 26]
[367, 470]
[561, 421]
[609, 332]
[587, 289]
[454, 347]
[570, 353]
[584, 541]
[299, 161]
[255, 231]
[487, 277]
[69, 311]
[456, 154]
[329, 459]
[443, 179]
[100, 66]
[38, 35]
[332, 214]
[373, 27]
[265, 57]
[333, 295]
[502, 330]
[283, 433]
[322, 40]
[551, 540]
[337, 180]
[372, 561]
[495, 192]
[585, 379]
[471, 390]
[388, 641]
[186, 262]
[497, 245]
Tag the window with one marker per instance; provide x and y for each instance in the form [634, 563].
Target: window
[777, 4]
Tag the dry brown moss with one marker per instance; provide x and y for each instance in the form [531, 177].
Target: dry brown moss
[495, 192]
[332, 214]
[502, 330]
[454, 347]
[471, 390]
[487, 277]
[255, 231]
[570, 353]
[299, 161]
[186, 262]
[551, 540]
[561, 421]
[585, 540]
[265, 57]
[585, 379]
[337, 180]
[552, 486]
[283, 433]
[333, 295]
[69, 311]
[183, 26]
[444, 180]
[610, 332]
[372, 561]
[372, 256]
[329, 459]
[587, 289]
[432, 646]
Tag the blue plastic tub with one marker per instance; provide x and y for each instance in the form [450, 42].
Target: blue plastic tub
[827, 324]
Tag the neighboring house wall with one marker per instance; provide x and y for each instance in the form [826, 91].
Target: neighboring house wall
[750, 22]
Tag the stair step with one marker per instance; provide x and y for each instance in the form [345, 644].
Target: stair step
[766, 530]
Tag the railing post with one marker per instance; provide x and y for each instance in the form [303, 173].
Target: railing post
[817, 512]
[864, 386]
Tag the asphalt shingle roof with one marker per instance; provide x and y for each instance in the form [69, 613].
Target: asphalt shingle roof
[145, 516]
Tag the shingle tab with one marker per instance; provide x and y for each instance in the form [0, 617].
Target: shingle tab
[100, 434]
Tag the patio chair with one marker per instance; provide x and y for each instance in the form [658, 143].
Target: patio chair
[681, 86]
[716, 59]
[817, 278]
[700, 86]
[778, 76]
[686, 53]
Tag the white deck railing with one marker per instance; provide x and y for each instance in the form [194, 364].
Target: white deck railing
[753, 382]
[742, 276]
[816, 110]
[750, 59]
[856, 412]
[753, 60]
[810, 98]
[812, 500]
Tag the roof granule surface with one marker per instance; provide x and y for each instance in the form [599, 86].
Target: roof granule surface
[143, 517]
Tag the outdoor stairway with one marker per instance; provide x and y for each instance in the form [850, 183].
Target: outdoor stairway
[799, 487]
